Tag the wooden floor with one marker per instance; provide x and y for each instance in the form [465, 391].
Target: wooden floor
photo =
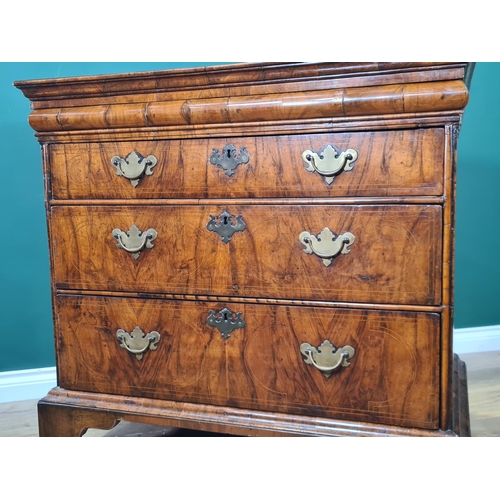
[483, 370]
[483, 378]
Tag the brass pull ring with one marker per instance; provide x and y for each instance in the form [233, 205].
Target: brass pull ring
[137, 342]
[326, 357]
[327, 245]
[134, 167]
[134, 241]
[330, 161]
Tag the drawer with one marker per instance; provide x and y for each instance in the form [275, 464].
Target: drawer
[389, 163]
[392, 376]
[382, 254]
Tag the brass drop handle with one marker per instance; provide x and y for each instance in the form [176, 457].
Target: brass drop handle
[134, 241]
[137, 342]
[229, 159]
[327, 245]
[326, 357]
[330, 161]
[134, 166]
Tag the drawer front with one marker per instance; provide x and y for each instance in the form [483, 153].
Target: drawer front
[389, 163]
[383, 254]
[391, 377]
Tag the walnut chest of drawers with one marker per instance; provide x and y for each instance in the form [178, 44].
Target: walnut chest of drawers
[254, 249]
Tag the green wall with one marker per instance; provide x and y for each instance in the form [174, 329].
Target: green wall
[477, 269]
[26, 336]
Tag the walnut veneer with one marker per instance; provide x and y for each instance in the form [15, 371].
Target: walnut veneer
[278, 326]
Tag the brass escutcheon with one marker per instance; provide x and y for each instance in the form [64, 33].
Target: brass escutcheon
[229, 159]
[225, 225]
[330, 161]
[138, 342]
[134, 241]
[134, 167]
[327, 244]
[326, 357]
[224, 322]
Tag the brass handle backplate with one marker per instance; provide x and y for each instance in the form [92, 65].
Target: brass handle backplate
[326, 357]
[330, 161]
[327, 244]
[134, 241]
[225, 321]
[134, 167]
[225, 225]
[229, 159]
[137, 342]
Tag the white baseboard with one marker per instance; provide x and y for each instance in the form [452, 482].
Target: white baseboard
[21, 385]
[35, 384]
[477, 339]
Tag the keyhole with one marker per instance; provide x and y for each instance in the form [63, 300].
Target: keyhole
[226, 220]
[229, 153]
[225, 316]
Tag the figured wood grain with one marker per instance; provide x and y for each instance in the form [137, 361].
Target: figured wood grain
[20, 418]
[386, 99]
[243, 129]
[395, 258]
[56, 420]
[251, 300]
[389, 200]
[392, 379]
[390, 163]
[80, 406]
[460, 401]
[398, 276]
[447, 396]
[230, 80]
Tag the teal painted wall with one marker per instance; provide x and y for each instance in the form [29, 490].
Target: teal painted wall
[26, 336]
[477, 268]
